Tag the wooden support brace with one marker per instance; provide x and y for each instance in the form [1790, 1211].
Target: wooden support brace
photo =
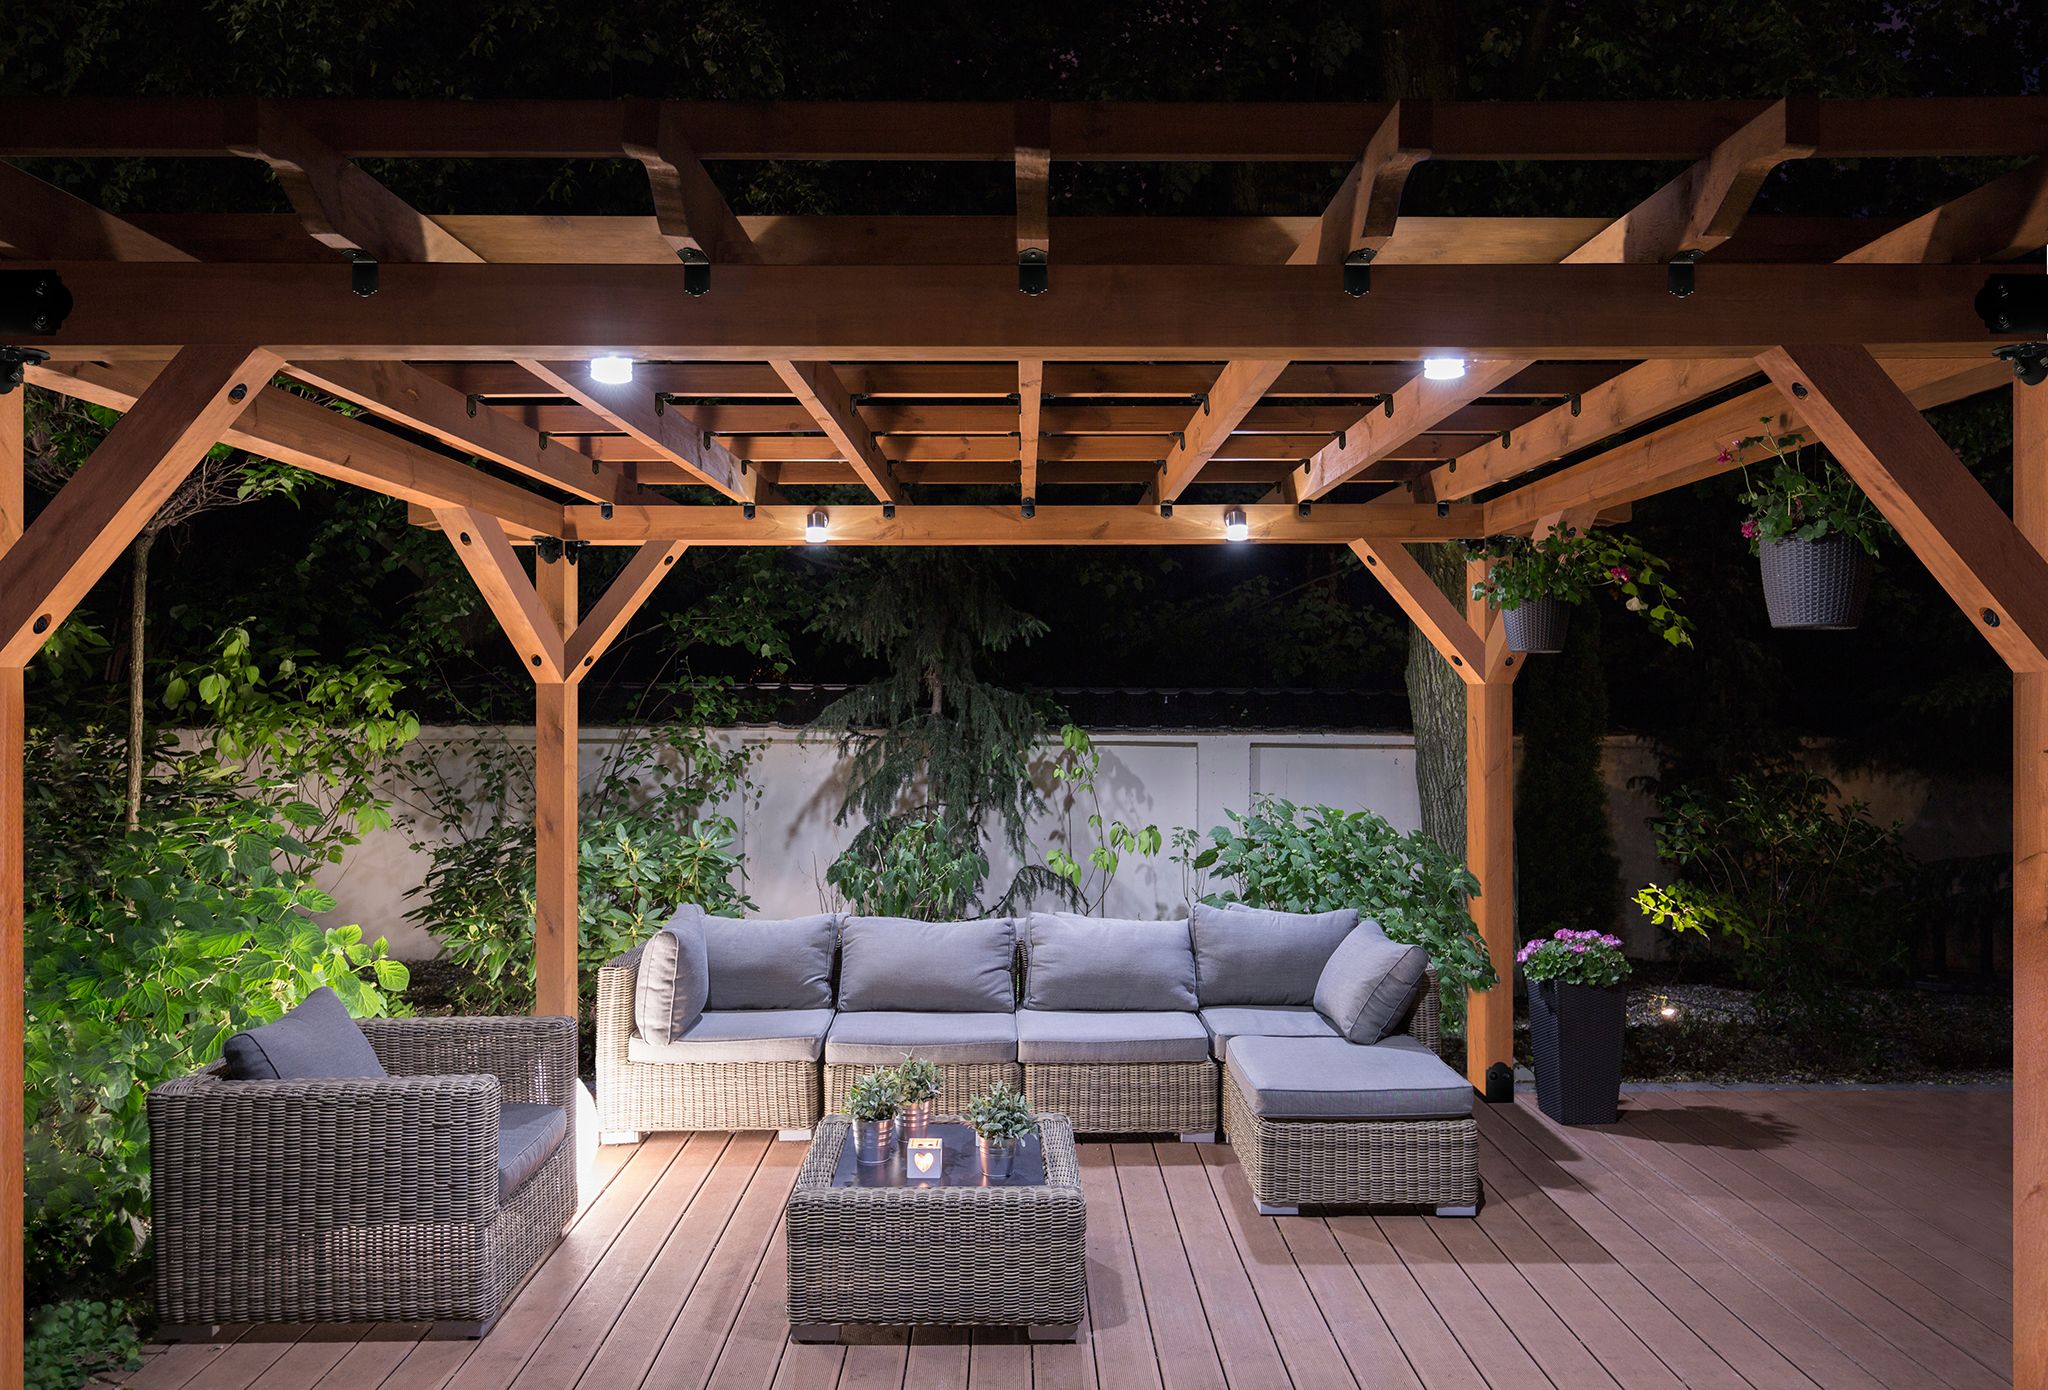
[1434, 615]
[480, 543]
[594, 634]
[1361, 216]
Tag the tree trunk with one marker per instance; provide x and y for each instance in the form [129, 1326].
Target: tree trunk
[138, 622]
[1436, 706]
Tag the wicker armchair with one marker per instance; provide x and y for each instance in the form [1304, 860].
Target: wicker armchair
[361, 1200]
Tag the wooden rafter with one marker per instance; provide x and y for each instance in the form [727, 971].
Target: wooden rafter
[1972, 548]
[669, 433]
[119, 488]
[41, 220]
[819, 391]
[1361, 217]
[692, 215]
[1034, 179]
[480, 543]
[594, 634]
[1237, 390]
[2005, 218]
[1030, 443]
[1379, 433]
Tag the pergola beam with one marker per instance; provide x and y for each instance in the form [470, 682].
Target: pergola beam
[2030, 925]
[670, 433]
[39, 219]
[1033, 159]
[1380, 433]
[823, 396]
[1030, 403]
[1237, 390]
[1361, 217]
[692, 215]
[2005, 218]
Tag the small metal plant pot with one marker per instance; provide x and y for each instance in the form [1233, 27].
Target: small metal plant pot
[1816, 586]
[996, 1157]
[1538, 625]
[915, 1118]
[874, 1141]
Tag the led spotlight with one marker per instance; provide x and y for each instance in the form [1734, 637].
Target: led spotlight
[1235, 528]
[814, 526]
[611, 369]
[1443, 368]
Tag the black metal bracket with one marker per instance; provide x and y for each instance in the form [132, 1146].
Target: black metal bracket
[32, 302]
[1030, 508]
[1166, 509]
[1340, 441]
[1387, 404]
[1678, 277]
[571, 549]
[888, 511]
[662, 401]
[1575, 405]
[1443, 509]
[1358, 272]
[473, 398]
[1180, 440]
[747, 510]
[547, 549]
[1506, 437]
[1034, 276]
[1301, 508]
[2029, 361]
[544, 438]
[2014, 304]
[1201, 398]
[696, 271]
[604, 509]
[362, 273]
[14, 365]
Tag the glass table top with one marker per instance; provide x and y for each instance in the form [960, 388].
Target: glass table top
[958, 1163]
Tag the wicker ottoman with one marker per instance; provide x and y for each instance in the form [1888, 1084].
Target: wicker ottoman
[1011, 1255]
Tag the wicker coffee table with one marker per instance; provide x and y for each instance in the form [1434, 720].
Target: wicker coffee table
[875, 1246]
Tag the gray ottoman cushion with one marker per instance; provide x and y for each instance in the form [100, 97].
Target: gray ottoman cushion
[1099, 1036]
[316, 1039]
[742, 1035]
[527, 1136]
[1331, 1079]
[926, 967]
[768, 964]
[884, 1038]
[1369, 984]
[1249, 955]
[1075, 962]
[1295, 1021]
[673, 982]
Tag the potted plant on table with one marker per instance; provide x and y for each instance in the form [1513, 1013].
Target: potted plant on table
[872, 1101]
[1000, 1118]
[1813, 531]
[918, 1082]
[1534, 583]
[1578, 1010]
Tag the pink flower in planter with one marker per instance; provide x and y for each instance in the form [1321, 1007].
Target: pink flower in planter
[1749, 530]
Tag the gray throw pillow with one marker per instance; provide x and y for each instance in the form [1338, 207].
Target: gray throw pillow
[1076, 962]
[1369, 983]
[768, 964]
[316, 1039]
[1251, 955]
[674, 979]
[898, 963]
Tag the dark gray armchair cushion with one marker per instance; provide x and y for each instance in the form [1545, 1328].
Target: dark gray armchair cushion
[896, 963]
[316, 1039]
[1330, 1079]
[759, 963]
[1075, 962]
[1370, 982]
[528, 1136]
[674, 980]
[1250, 955]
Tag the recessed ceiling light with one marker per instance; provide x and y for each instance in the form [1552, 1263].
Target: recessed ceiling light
[611, 369]
[1443, 368]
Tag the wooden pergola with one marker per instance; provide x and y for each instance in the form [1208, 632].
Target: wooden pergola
[1603, 361]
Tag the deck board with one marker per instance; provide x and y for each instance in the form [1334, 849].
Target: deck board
[1781, 1240]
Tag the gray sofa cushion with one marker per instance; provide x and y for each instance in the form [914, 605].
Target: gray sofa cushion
[1249, 955]
[1370, 982]
[1280, 1021]
[1075, 962]
[927, 967]
[742, 1035]
[1331, 1079]
[674, 980]
[527, 1136]
[886, 1037]
[767, 964]
[316, 1039]
[1098, 1036]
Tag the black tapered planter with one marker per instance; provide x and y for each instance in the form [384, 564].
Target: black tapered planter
[1577, 1033]
[1538, 625]
[1815, 585]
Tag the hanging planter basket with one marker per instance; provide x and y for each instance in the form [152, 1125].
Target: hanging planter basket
[1815, 585]
[1538, 625]
[1576, 1032]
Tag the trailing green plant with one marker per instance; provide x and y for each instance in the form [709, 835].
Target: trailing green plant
[1805, 495]
[927, 865]
[919, 1079]
[1790, 883]
[70, 1344]
[1589, 958]
[1076, 768]
[1571, 565]
[874, 1097]
[1320, 859]
[1001, 1114]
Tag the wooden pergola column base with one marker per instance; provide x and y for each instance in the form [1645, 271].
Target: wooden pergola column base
[2030, 926]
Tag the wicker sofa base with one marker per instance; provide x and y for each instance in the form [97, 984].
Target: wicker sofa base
[1345, 1163]
[959, 1083]
[645, 1097]
[1127, 1098]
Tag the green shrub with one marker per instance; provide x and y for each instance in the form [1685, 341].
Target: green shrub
[70, 1343]
[1320, 859]
[926, 865]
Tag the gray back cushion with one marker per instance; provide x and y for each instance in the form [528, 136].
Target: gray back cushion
[1075, 962]
[1370, 982]
[674, 980]
[1249, 955]
[897, 963]
[316, 1039]
[767, 964]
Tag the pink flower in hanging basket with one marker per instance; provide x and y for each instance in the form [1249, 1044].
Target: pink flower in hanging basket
[1619, 572]
[1749, 530]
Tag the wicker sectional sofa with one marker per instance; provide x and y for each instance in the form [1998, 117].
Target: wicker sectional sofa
[1310, 1038]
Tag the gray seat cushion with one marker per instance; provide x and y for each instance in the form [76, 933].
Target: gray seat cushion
[1289, 1021]
[742, 1035]
[1097, 1036]
[762, 963]
[1331, 1079]
[527, 1136]
[673, 983]
[1370, 984]
[886, 1037]
[1076, 962]
[1249, 955]
[927, 967]
[316, 1039]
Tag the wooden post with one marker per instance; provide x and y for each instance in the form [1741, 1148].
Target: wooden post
[1490, 842]
[2030, 927]
[555, 741]
[13, 910]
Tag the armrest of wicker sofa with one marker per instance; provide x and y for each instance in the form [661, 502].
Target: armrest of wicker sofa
[533, 1059]
[617, 978]
[1426, 1021]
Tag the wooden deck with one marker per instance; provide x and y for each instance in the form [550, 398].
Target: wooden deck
[1714, 1238]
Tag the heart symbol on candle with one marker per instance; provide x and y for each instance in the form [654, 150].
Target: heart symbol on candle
[922, 1160]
